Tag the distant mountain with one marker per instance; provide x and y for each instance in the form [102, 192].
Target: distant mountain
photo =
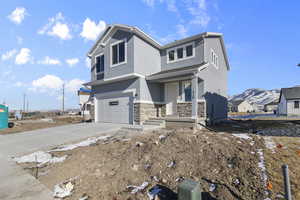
[257, 96]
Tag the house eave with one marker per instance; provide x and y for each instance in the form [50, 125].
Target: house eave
[112, 80]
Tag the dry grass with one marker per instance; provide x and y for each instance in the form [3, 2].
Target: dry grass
[288, 154]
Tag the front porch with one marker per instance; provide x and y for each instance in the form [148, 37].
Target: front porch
[181, 94]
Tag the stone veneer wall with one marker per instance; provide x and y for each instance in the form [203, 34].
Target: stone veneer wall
[144, 111]
[184, 109]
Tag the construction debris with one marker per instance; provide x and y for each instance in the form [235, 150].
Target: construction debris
[63, 190]
[136, 189]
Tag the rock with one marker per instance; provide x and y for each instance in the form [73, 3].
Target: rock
[171, 164]
[139, 144]
[135, 167]
[164, 181]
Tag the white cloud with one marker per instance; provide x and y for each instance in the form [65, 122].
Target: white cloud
[49, 61]
[52, 84]
[72, 61]
[91, 30]
[23, 56]
[57, 27]
[18, 15]
[74, 85]
[181, 30]
[88, 62]
[197, 8]
[8, 54]
[61, 30]
[46, 83]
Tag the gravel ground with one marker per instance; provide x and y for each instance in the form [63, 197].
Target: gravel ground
[226, 165]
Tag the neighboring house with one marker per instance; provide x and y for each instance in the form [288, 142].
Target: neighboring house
[134, 78]
[85, 102]
[271, 107]
[241, 106]
[289, 101]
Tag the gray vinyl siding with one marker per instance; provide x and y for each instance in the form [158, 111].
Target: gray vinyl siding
[118, 87]
[151, 91]
[215, 81]
[146, 57]
[197, 59]
[119, 70]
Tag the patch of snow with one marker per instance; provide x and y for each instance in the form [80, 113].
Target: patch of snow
[243, 136]
[136, 189]
[84, 143]
[261, 165]
[62, 191]
[40, 157]
[270, 144]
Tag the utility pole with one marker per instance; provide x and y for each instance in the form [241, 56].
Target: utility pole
[27, 105]
[24, 99]
[63, 98]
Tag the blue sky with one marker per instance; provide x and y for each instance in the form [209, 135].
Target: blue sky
[43, 45]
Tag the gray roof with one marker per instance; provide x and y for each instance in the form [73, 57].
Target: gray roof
[153, 42]
[290, 93]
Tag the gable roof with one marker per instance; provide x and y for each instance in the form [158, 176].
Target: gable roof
[290, 93]
[112, 28]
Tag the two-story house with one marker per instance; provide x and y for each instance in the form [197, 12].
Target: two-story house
[134, 78]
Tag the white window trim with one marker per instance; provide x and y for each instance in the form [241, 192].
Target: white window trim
[96, 56]
[215, 57]
[184, 52]
[111, 56]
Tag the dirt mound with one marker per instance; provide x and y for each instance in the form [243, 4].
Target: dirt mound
[225, 165]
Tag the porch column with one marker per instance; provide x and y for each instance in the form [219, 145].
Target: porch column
[96, 107]
[195, 96]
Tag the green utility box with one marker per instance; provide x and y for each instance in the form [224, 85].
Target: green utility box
[189, 190]
[3, 116]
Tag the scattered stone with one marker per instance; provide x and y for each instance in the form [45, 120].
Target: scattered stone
[212, 187]
[154, 178]
[135, 167]
[171, 164]
[164, 181]
[139, 144]
[162, 137]
[179, 179]
[84, 197]
[236, 181]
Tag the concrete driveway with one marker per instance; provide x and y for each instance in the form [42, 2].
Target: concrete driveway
[15, 183]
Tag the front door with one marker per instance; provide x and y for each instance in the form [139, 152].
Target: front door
[171, 94]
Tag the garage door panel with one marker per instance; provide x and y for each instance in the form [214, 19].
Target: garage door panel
[114, 110]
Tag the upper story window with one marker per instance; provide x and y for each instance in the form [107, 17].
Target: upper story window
[118, 53]
[100, 64]
[181, 52]
[296, 104]
[214, 59]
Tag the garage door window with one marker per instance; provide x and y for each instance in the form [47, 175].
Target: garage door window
[114, 103]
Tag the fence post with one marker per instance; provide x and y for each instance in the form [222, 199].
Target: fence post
[287, 185]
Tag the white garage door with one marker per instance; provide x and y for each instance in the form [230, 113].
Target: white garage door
[114, 110]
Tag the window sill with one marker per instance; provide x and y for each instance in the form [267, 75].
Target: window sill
[181, 59]
[115, 65]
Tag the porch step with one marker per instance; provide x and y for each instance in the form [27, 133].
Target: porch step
[155, 122]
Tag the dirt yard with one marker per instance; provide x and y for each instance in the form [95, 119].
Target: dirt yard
[29, 125]
[225, 165]
[285, 150]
